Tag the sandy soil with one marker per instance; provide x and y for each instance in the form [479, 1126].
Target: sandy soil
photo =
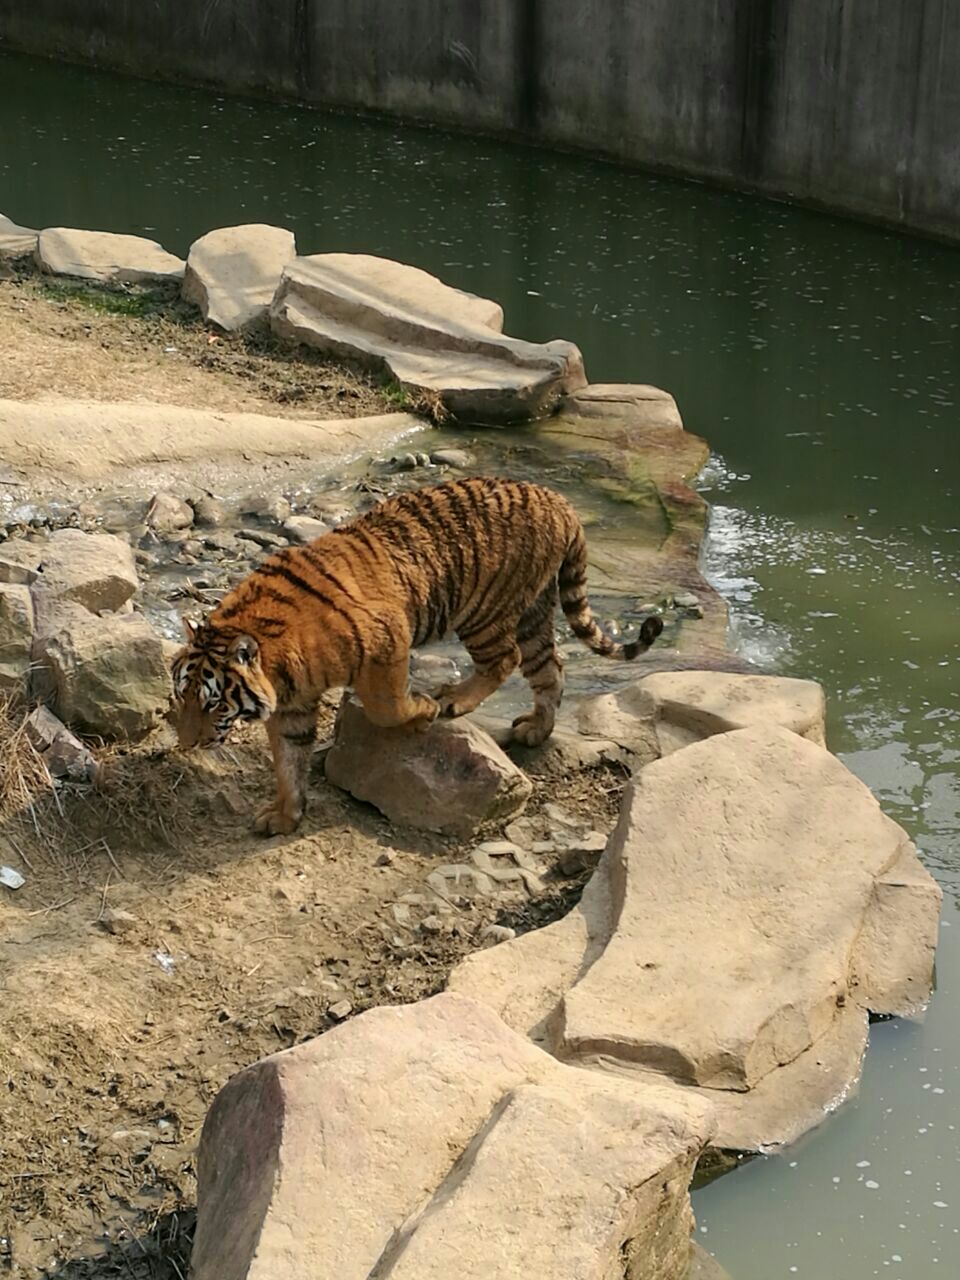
[63, 339]
[112, 1045]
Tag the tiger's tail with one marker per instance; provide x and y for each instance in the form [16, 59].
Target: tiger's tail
[572, 581]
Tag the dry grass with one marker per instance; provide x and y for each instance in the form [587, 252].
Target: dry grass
[77, 340]
[135, 802]
[25, 782]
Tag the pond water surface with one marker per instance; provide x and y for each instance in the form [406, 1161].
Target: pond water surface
[820, 359]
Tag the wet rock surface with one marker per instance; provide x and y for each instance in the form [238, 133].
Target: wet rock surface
[397, 1135]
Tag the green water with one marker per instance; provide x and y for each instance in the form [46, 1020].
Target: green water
[821, 360]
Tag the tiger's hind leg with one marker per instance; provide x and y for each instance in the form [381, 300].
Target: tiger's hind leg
[292, 734]
[494, 657]
[542, 669]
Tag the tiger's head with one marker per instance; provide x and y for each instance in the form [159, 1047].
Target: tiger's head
[217, 680]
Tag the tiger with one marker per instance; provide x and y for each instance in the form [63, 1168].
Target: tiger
[487, 559]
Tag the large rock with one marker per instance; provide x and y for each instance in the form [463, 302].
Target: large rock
[428, 336]
[429, 1141]
[16, 241]
[103, 256]
[104, 676]
[96, 570]
[668, 710]
[752, 904]
[233, 273]
[16, 635]
[451, 778]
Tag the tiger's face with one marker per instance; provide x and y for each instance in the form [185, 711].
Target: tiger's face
[217, 680]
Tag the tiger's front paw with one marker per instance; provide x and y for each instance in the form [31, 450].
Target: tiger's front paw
[277, 820]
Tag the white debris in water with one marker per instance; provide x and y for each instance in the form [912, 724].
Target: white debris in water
[863, 1164]
[871, 1185]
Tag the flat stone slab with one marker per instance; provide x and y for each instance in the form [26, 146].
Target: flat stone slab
[428, 336]
[430, 1141]
[83, 440]
[15, 241]
[104, 256]
[232, 273]
[669, 710]
[752, 904]
[450, 779]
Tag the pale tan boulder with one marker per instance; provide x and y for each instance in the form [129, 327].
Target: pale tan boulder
[428, 336]
[752, 904]
[96, 570]
[451, 778]
[104, 676]
[668, 710]
[16, 636]
[105, 257]
[16, 242]
[429, 1141]
[232, 273]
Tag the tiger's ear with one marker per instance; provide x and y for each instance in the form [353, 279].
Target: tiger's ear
[245, 650]
[191, 629]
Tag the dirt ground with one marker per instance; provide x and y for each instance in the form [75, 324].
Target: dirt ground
[67, 339]
[113, 1044]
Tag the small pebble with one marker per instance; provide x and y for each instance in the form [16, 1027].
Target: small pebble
[686, 600]
[498, 933]
[342, 1009]
[387, 858]
[116, 921]
[266, 540]
[458, 458]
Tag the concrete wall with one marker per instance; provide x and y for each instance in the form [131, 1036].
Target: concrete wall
[850, 104]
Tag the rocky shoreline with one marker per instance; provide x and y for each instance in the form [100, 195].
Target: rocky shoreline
[751, 909]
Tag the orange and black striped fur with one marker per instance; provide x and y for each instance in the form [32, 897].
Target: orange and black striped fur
[488, 559]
